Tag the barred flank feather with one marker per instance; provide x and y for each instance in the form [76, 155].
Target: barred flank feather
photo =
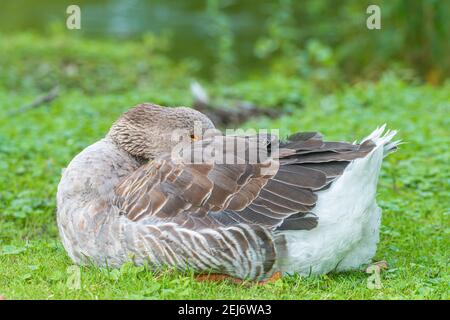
[242, 251]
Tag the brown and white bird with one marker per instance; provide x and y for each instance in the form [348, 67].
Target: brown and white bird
[309, 210]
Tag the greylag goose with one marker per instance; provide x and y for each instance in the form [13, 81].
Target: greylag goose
[310, 210]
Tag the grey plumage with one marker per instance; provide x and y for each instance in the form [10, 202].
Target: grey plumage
[125, 197]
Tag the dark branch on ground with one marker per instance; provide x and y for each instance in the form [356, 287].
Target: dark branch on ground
[39, 101]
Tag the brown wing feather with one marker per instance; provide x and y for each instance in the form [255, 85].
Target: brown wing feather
[211, 194]
[167, 190]
[307, 165]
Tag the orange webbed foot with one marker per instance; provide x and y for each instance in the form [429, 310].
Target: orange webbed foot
[214, 277]
[273, 278]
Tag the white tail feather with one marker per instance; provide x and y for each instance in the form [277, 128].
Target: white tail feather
[383, 138]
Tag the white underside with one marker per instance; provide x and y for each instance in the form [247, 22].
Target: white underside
[349, 220]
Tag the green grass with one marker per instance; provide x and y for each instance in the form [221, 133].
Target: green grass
[36, 145]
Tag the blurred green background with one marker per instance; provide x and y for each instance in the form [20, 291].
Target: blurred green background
[319, 39]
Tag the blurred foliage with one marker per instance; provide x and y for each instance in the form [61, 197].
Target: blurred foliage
[223, 37]
[322, 41]
[30, 62]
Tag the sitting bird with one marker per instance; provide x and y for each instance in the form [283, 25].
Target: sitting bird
[302, 206]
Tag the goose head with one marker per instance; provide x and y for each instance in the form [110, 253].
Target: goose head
[149, 130]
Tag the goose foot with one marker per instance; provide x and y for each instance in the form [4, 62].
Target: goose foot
[273, 278]
[215, 277]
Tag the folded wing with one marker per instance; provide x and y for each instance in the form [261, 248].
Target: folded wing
[274, 194]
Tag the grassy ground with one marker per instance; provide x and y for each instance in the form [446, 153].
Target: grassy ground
[34, 146]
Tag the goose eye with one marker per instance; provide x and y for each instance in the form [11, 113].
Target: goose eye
[194, 137]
